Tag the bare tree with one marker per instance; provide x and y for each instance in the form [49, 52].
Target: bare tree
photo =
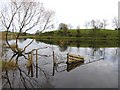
[48, 16]
[52, 26]
[23, 16]
[78, 27]
[70, 26]
[115, 22]
[93, 22]
[87, 25]
[97, 24]
[101, 25]
[105, 23]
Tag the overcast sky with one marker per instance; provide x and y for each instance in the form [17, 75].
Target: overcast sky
[77, 12]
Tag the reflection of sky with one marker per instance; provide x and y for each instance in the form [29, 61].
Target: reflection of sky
[97, 74]
[109, 54]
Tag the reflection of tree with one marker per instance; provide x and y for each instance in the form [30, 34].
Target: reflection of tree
[63, 45]
[97, 52]
[4, 50]
[25, 77]
[94, 50]
[115, 55]
[63, 48]
[21, 79]
[24, 80]
[37, 41]
[22, 40]
[78, 44]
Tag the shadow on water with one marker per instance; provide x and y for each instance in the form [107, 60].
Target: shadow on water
[29, 72]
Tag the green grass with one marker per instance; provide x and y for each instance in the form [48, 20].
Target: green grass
[87, 37]
[83, 33]
[100, 38]
[99, 35]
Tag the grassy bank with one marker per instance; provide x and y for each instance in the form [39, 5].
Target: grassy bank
[83, 35]
[88, 38]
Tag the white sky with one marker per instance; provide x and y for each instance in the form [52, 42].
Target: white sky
[77, 12]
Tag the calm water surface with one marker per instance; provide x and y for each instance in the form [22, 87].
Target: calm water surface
[99, 70]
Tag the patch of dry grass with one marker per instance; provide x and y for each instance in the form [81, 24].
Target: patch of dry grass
[9, 65]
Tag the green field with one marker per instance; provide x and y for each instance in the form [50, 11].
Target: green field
[85, 37]
[84, 34]
[102, 38]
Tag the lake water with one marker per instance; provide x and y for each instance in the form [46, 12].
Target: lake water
[99, 70]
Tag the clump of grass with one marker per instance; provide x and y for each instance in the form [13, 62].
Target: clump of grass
[9, 65]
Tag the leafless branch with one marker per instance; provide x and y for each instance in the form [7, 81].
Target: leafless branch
[23, 16]
[28, 45]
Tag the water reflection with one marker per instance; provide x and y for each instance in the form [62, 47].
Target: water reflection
[43, 72]
[66, 66]
[63, 45]
[24, 77]
[73, 66]
[22, 40]
[74, 61]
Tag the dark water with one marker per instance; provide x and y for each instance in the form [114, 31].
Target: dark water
[99, 70]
